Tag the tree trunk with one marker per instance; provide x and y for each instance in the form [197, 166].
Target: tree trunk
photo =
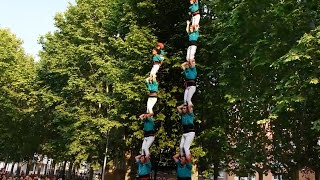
[39, 169]
[29, 163]
[11, 171]
[53, 169]
[5, 165]
[74, 167]
[155, 165]
[18, 169]
[63, 174]
[215, 170]
[34, 167]
[70, 170]
[91, 173]
[260, 173]
[129, 165]
[45, 169]
[317, 174]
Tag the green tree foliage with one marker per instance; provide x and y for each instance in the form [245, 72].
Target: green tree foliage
[19, 140]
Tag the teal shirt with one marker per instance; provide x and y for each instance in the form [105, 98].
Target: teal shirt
[152, 86]
[193, 36]
[156, 58]
[184, 171]
[190, 73]
[148, 124]
[187, 118]
[194, 7]
[144, 169]
[162, 52]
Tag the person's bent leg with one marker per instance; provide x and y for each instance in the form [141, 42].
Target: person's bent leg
[191, 91]
[182, 142]
[193, 51]
[150, 104]
[154, 70]
[144, 144]
[149, 141]
[195, 20]
[188, 141]
[188, 54]
[185, 97]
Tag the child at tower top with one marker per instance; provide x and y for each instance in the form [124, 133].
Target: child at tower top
[194, 12]
[193, 34]
[157, 61]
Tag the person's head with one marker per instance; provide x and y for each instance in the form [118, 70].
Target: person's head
[191, 62]
[160, 45]
[185, 108]
[183, 160]
[152, 78]
[142, 159]
[192, 1]
[187, 65]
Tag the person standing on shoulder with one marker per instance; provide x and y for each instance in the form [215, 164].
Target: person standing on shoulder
[184, 166]
[149, 133]
[193, 33]
[190, 75]
[144, 167]
[187, 118]
[152, 86]
[194, 12]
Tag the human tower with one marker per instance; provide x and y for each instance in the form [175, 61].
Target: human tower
[183, 159]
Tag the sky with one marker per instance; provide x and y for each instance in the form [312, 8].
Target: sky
[29, 19]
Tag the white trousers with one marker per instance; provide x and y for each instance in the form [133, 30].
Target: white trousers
[195, 20]
[147, 141]
[150, 103]
[185, 142]
[191, 52]
[154, 69]
[188, 93]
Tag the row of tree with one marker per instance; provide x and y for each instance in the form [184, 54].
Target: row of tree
[257, 108]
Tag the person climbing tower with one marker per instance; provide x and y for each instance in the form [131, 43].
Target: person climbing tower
[157, 60]
[194, 12]
[149, 133]
[160, 47]
[193, 33]
[144, 167]
[187, 118]
[190, 75]
[184, 166]
[152, 85]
